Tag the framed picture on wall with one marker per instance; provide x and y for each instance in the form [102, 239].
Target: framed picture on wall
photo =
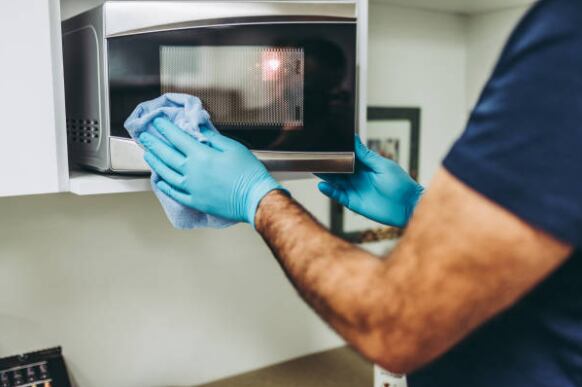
[393, 133]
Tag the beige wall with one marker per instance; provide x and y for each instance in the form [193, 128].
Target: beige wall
[418, 58]
[135, 303]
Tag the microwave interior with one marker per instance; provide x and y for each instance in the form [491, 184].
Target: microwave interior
[287, 87]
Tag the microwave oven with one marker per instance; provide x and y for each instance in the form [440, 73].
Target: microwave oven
[278, 76]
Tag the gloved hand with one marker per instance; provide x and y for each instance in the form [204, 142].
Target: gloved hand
[379, 189]
[221, 178]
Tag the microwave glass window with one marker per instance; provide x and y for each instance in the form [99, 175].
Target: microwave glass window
[281, 87]
[241, 86]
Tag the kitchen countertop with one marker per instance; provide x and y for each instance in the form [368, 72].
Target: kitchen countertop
[336, 368]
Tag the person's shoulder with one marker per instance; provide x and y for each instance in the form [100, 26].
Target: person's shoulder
[551, 18]
[550, 26]
[550, 8]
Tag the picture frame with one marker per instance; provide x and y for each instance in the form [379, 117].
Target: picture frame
[393, 132]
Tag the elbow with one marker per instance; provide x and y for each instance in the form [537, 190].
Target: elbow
[399, 366]
[399, 355]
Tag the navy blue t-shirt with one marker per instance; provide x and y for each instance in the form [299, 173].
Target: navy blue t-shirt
[523, 150]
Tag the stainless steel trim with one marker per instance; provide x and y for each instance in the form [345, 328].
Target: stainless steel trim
[323, 162]
[104, 98]
[362, 65]
[226, 23]
[127, 157]
[125, 16]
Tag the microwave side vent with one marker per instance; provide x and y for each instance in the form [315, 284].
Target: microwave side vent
[83, 131]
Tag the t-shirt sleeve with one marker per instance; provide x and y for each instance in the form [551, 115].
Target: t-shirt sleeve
[523, 144]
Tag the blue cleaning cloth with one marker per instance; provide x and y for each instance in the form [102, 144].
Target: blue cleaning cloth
[186, 112]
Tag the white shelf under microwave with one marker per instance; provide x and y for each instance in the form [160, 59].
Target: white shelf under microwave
[85, 183]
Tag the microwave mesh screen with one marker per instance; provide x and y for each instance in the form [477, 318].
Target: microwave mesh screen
[239, 85]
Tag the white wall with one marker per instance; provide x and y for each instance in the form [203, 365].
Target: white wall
[486, 37]
[135, 303]
[417, 58]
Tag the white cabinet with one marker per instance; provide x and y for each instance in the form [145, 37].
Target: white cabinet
[33, 154]
[32, 116]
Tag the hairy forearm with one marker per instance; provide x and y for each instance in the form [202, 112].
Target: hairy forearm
[313, 259]
[440, 283]
[344, 284]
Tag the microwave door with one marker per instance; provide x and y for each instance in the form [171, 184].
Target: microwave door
[283, 90]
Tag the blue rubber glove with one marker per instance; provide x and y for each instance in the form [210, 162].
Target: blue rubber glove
[379, 189]
[221, 178]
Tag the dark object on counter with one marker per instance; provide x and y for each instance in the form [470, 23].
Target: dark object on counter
[44, 368]
[4, 381]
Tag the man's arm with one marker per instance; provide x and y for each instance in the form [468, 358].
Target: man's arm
[462, 260]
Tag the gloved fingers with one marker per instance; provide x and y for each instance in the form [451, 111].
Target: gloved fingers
[165, 172]
[208, 129]
[366, 156]
[334, 178]
[217, 140]
[178, 138]
[335, 193]
[338, 180]
[170, 156]
[173, 193]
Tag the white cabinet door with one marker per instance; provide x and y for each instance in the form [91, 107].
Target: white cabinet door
[33, 157]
